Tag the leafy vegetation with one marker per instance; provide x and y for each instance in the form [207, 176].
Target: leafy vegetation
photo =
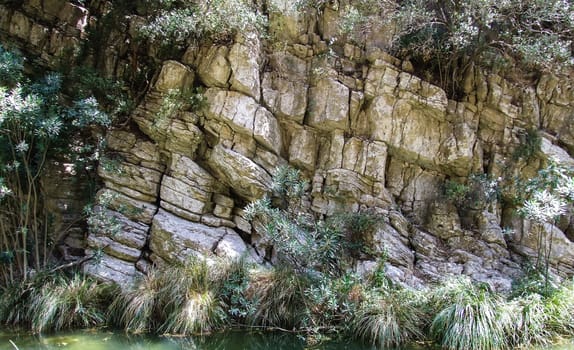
[479, 191]
[35, 127]
[544, 199]
[215, 20]
[454, 36]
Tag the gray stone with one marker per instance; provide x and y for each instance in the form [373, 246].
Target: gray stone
[174, 239]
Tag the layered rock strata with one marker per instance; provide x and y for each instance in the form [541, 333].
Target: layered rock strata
[366, 133]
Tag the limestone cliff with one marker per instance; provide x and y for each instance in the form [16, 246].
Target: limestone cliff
[365, 131]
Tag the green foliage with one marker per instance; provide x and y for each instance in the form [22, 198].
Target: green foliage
[300, 241]
[358, 228]
[215, 20]
[233, 292]
[84, 82]
[11, 67]
[35, 126]
[480, 190]
[452, 36]
[529, 146]
[176, 100]
[544, 199]
[455, 191]
[533, 281]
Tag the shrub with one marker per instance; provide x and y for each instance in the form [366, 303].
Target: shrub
[530, 143]
[301, 242]
[524, 321]
[479, 191]
[215, 20]
[236, 278]
[450, 37]
[35, 127]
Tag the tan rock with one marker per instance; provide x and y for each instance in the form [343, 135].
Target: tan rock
[243, 57]
[302, 150]
[240, 173]
[134, 177]
[174, 75]
[111, 269]
[328, 106]
[214, 69]
[184, 196]
[266, 130]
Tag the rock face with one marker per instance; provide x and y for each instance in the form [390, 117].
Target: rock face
[366, 134]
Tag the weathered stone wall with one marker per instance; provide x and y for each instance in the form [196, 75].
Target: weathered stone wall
[366, 133]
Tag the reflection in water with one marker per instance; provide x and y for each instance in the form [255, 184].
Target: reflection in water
[237, 340]
[99, 340]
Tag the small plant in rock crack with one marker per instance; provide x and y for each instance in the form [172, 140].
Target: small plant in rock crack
[479, 191]
[100, 219]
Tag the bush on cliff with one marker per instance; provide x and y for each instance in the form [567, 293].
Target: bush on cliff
[37, 124]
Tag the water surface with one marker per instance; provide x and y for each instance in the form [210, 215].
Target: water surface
[232, 340]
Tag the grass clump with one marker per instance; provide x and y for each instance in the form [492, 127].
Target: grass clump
[466, 317]
[54, 302]
[389, 319]
[279, 298]
[177, 299]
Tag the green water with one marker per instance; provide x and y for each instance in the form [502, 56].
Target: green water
[100, 340]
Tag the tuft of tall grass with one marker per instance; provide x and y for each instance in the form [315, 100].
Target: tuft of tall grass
[52, 301]
[65, 303]
[14, 306]
[176, 299]
[198, 312]
[135, 309]
[279, 298]
[524, 321]
[467, 317]
[189, 296]
[389, 319]
[559, 308]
